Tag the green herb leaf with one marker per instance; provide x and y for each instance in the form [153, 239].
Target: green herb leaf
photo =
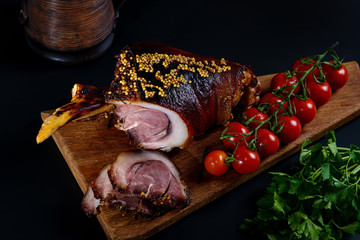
[351, 228]
[327, 181]
[332, 142]
[303, 225]
[325, 171]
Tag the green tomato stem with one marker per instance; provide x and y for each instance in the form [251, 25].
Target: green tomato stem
[287, 98]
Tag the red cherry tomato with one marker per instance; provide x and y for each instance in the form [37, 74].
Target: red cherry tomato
[304, 110]
[266, 97]
[267, 143]
[258, 116]
[336, 77]
[299, 66]
[271, 98]
[236, 132]
[291, 129]
[280, 80]
[247, 161]
[320, 93]
[215, 162]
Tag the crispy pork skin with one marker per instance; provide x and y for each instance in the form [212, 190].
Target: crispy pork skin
[154, 82]
[144, 182]
[163, 96]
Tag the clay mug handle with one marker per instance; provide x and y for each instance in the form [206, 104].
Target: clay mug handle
[117, 5]
[23, 16]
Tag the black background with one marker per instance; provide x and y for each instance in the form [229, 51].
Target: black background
[40, 198]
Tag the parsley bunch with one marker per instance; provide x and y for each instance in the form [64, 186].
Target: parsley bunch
[320, 200]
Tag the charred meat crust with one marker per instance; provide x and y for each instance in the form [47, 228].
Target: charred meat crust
[200, 91]
[210, 99]
[87, 102]
[91, 98]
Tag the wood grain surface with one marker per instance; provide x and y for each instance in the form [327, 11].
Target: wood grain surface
[88, 146]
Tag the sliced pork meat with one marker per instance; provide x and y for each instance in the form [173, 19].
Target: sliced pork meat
[101, 193]
[102, 186]
[165, 96]
[143, 124]
[150, 175]
[147, 183]
[90, 204]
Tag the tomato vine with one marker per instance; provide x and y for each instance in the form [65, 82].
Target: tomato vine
[279, 107]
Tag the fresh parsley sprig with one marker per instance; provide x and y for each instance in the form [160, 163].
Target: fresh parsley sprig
[319, 201]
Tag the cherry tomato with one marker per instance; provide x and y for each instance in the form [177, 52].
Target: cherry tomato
[299, 66]
[247, 161]
[304, 110]
[280, 80]
[259, 116]
[267, 143]
[215, 162]
[236, 131]
[336, 77]
[291, 129]
[266, 97]
[271, 98]
[320, 93]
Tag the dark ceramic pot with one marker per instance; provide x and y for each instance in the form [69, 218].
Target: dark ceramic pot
[69, 31]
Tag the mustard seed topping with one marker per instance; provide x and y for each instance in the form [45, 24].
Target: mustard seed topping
[127, 72]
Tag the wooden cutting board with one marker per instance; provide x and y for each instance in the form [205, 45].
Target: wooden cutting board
[88, 146]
